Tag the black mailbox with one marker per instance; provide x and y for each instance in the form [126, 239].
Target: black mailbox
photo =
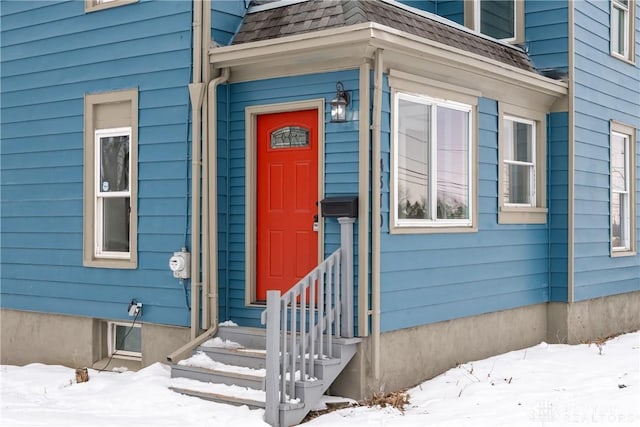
[345, 206]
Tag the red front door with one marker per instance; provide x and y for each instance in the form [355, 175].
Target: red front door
[287, 184]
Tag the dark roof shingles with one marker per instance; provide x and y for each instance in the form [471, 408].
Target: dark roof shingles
[314, 15]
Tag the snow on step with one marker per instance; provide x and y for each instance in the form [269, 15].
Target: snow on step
[252, 350]
[201, 360]
[228, 323]
[218, 342]
[232, 391]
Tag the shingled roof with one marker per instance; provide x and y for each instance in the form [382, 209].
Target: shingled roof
[265, 23]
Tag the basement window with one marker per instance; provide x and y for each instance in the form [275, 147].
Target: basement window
[125, 340]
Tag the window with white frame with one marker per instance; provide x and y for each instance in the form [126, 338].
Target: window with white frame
[500, 19]
[622, 200]
[522, 166]
[622, 31]
[110, 175]
[519, 185]
[124, 340]
[432, 171]
[112, 192]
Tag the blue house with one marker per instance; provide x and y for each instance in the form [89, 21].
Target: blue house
[370, 191]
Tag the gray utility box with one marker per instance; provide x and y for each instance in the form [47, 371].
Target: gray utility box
[337, 207]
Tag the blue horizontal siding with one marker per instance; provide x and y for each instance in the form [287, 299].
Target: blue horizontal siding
[425, 5]
[53, 53]
[451, 9]
[444, 311]
[605, 89]
[546, 33]
[434, 277]
[226, 17]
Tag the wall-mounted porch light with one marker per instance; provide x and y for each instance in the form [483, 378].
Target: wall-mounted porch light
[339, 104]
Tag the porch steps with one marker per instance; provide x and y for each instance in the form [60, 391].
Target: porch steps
[235, 372]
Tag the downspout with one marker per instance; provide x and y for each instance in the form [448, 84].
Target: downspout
[211, 295]
[363, 200]
[212, 206]
[212, 202]
[376, 176]
[208, 247]
[196, 92]
[211, 96]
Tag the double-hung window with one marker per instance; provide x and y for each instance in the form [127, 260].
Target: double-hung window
[622, 29]
[622, 198]
[522, 168]
[110, 179]
[519, 185]
[500, 19]
[432, 170]
[112, 192]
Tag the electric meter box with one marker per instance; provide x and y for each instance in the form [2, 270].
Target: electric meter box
[180, 264]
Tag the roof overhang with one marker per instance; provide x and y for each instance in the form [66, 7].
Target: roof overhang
[348, 47]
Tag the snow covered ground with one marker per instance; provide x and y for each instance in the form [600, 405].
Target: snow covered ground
[545, 385]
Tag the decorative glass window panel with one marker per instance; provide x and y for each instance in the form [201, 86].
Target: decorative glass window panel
[519, 162]
[620, 28]
[497, 18]
[620, 207]
[290, 136]
[113, 193]
[432, 162]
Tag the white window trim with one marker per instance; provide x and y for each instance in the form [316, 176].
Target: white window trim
[111, 342]
[100, 195]
[532, 164]
[629, 134]
[109, 110]
[472, 19]
[434, 225]
[96, 5]
[536, 212]
[628, 54]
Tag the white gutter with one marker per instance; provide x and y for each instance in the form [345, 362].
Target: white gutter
[376, 175]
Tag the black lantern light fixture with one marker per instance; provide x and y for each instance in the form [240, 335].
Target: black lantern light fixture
[339, 104]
